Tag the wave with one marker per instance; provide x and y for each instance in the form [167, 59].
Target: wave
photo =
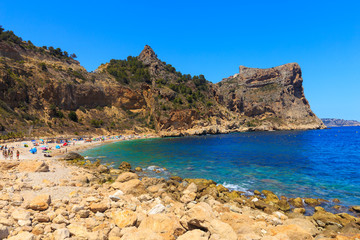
[235, 187]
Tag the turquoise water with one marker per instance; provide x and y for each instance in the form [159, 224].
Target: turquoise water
[317, 163]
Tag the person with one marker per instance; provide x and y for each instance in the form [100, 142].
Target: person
[17, 154]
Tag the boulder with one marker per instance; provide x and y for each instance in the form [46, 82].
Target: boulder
[271, 198]
[296, 202]
[221, 230]
[327, 218]
[61, 234]
[284, 205]
[195, 234]
[40, 203]
[78, 230]
[312, 202]
[157, 209]
[98, 207]
[126, 176]
[200, 183]
[141, 234]
[138, 169]
[290, 232]
[198, 217]
[124, 218]
[73, 156]
[355, 209]
[134, 186]
[125, 166]
[4, 232]
[23, 236]
[33, 166]
[165, 225]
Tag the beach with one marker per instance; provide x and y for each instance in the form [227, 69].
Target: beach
[51, 198]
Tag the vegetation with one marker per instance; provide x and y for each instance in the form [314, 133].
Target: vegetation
[73, 117]
[10, 36]
[96, 123]
[55, 112]
[129, 70]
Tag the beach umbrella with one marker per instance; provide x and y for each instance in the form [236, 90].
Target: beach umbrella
[65, 144]
[57, 147]
[43, 148]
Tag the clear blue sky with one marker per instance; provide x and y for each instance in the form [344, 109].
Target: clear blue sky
[210, 38]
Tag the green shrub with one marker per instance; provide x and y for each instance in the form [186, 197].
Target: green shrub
[73, 116]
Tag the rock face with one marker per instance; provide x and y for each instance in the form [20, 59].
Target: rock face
[272, 98]
[143, 94]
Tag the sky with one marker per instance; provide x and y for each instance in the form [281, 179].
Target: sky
[210, 37]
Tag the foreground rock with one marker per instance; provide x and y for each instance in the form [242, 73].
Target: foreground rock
[126, 207]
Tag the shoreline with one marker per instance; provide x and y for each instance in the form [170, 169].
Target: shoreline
[52, 199]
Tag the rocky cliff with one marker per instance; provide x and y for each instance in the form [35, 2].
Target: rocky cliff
[270, 98]
[43, 91]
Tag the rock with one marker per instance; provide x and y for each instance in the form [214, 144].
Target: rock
[61, 234]
[256, 192]
[299, 210]
[220, 188]
[290, 232]
[124, 218]
[78, 230]
[195, 234]
[296, 202]
[33, 166]
[125, 166]
[271, 198]
[141, 234]
[176, 178]
[138, 169]
[312, 202]
[73, 156]
[40, 203]
[38, 229]
[284, 205]
[84, 213]
[305, 224]
[336, 200]
[23, 236]
[201, 183]
[157, 209]
[20, 214]
[355, 209]
[221, 230]
[116, 196]
[326, 218]
[126, 176]
[134, 186]
[98, 207]
[4, 232]
[191, 188]
[103, 169]
[199, 216]
[165, 225]
[188, 197]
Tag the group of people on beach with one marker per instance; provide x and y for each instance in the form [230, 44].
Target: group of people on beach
[9, 152]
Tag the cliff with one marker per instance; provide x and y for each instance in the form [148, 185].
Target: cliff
[43, 91]
[271, 99]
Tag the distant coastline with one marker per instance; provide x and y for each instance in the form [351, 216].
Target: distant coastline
[334, 122]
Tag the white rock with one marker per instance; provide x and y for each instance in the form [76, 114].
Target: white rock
[255, 200]
[61, 234]
[24, 223]
[20, 215]
[157, 209]
[116, 195]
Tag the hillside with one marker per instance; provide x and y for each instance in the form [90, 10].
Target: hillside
[334, 122]
[45, 91]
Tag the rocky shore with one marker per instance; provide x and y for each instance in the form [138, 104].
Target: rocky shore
[77, 199]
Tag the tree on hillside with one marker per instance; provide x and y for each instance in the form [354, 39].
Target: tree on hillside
[1, 29]
[73, 55]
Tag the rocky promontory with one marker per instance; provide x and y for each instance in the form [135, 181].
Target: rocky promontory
[45, 91]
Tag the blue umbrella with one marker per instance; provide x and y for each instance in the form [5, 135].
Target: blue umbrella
[57, 147]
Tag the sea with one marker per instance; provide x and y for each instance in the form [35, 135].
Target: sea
[314, 163]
